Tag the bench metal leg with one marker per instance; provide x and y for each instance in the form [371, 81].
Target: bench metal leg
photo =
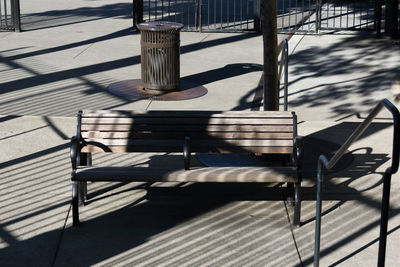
[290, 194]
[297, 205]
[75, 203]
[86, 160]
[82, 193]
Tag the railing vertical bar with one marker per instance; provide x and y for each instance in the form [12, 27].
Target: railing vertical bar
[354, 14]
[283, 14]
[361, 15]
[384, 218]
[241, 15]
[227, 15]
[1, 17]
[215, 14]
[366, 12]
[247, 15]
[295, 16]
[188, 12]
[162, 9]
[149, 10]
[169, 9]
[208, 14]
[318, 15]
[234, 14]
[221, 12]
[17, 20]
[308, 14]
[318, 210]
[155, 10]
[5, 13]
[334, 13]
[302, 15]
[201, 15]
[196, 14]
[341, 13]
[176, 11]
[290, 12]
[327, 13]
[347, 15]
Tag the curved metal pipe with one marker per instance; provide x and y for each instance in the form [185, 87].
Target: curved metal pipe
[324, 164]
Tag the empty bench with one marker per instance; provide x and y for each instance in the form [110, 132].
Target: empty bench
[187, 132]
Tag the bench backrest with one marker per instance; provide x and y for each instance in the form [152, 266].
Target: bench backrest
[209, 131]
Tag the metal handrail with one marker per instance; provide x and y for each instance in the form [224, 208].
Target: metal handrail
[324, 164]
[284, 63]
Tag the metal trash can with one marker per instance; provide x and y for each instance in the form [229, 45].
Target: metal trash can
[160, 43]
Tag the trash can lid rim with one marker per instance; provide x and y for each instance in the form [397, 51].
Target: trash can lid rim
[160, 26]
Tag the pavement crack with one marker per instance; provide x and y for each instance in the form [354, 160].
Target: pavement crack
[291, 228]
[60, 238]
[83, 51]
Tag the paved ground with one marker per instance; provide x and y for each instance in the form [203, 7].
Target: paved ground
[64, 61]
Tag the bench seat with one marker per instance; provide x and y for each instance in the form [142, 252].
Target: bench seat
[195, 174]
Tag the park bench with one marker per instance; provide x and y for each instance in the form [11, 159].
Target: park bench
[270, 133]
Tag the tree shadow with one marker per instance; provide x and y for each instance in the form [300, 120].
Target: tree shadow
[346, 77]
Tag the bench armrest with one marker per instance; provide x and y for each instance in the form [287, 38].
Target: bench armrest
[298, 154]
[74, 152]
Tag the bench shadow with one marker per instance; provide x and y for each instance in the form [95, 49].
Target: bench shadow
[165, 222]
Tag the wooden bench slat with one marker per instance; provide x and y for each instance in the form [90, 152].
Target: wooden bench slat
[189, 128]
[194, 142]
[201, 149]
[187, 121]
[200, 174]
[189, 113]
[181, 135]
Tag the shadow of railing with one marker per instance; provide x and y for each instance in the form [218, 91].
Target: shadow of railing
[58, 18]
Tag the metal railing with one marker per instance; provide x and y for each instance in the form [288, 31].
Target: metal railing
[284, 65]
[324, 164]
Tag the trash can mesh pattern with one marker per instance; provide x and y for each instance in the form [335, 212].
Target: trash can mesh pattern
[160, 56]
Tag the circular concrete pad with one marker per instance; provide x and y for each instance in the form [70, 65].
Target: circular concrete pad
[133, 90]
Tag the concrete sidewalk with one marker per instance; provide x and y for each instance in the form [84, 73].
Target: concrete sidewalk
[64, 61]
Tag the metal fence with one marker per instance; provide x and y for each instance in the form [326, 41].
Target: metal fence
[227, 15]
[244, 15]
[9, 15]
[203, 15]
[316, 15]
[296, 15]
[346, 14]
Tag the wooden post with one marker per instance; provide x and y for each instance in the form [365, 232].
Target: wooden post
[269, 29]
